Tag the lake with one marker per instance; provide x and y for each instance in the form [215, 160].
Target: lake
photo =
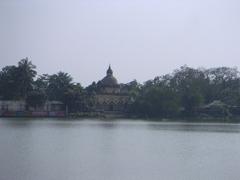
[51, 149]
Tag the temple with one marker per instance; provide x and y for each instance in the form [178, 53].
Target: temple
[111, 96]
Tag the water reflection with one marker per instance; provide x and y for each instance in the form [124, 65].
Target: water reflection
[110, 124]
[100, 150]
[225, 128]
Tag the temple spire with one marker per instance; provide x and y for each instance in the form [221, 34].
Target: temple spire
[109, 71]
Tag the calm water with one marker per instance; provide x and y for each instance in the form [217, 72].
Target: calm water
[117, 150]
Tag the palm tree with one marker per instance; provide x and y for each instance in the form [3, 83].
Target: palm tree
[58, 84]
[27, 73]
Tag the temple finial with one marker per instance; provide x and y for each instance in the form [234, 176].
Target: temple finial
[109, 71]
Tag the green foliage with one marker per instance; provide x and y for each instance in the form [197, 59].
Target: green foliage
[26, 73]
[58, 85]
[42, 83]
[9, 83]
[133, 89]
[74, 98]
[155, 100]
[16, 81]
[185, 92]
[92, 89]
[190, 86]
[36, 98]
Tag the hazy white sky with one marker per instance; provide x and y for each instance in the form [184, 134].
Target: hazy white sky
[140, 38]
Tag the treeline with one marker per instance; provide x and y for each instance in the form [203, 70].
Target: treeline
[186, 92]
[190, 92]
[21, 82]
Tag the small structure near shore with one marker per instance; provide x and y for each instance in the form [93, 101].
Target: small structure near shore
[215, 109]
[21, 109]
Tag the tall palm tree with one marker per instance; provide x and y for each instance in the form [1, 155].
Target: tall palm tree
[58, 84]
[27, 73]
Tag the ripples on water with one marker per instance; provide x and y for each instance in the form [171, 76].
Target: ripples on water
[52, 149]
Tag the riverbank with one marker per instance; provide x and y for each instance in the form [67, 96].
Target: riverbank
[33, 114]
[117, 116]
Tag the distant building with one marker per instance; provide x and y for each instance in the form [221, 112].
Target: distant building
[111, 96]
[20, 108]
[12, 105]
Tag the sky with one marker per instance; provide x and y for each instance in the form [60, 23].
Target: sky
[141, 39]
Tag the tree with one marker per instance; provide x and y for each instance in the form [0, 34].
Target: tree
[42, 82]
[9, 83]
[58, 85]
[92, 89]
[74, 98]
[133, 89]
[190, 85]
[36, 98]
[17, 81]
[155, 99]
[26, 73]
[224, 85]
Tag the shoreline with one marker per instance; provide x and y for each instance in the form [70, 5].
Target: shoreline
[112, 117]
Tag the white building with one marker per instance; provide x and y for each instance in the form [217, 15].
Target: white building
[22, 106]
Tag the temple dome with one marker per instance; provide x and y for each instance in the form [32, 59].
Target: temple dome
[109, 79]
